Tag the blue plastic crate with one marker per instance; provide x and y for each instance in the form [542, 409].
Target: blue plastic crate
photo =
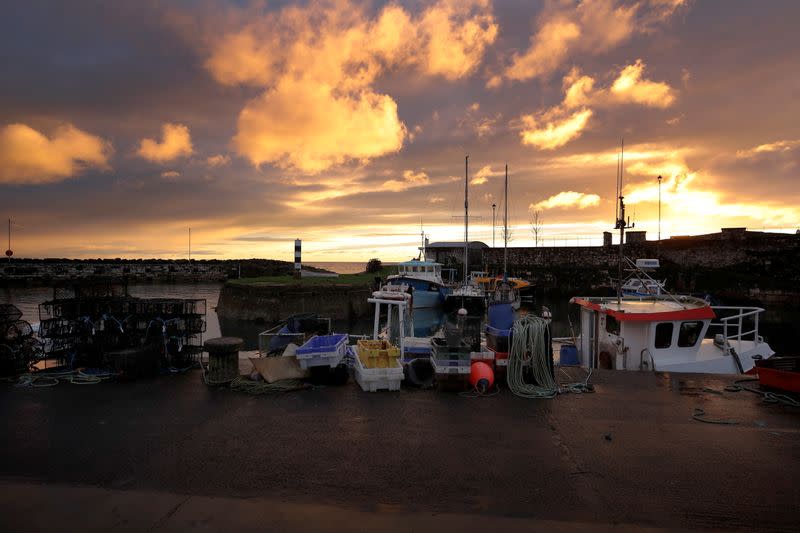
[323, 350]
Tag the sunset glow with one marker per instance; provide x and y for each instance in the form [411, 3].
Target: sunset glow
[345, 123]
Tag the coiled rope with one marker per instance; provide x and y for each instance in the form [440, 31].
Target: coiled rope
[262, 387]
[52, 378]
[766, 396]
[530, 348]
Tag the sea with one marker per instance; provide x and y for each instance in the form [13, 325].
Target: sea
[342, 267]
[777, 325]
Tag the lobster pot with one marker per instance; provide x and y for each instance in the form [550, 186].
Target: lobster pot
[223, 359]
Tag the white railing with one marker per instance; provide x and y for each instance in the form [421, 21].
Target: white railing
[732, 325]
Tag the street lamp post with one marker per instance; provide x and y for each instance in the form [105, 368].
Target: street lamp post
[659, 209]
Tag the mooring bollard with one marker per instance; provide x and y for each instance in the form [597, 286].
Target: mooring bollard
[223, 360]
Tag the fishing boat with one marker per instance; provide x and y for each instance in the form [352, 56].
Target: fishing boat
[467, 296]
[663, 332]
[425, 280]
[639, 282]
[668, 334]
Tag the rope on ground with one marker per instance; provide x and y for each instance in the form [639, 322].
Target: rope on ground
[699, 415]
[766, 396]
[48, 378]
[475, 392]
[262, 387]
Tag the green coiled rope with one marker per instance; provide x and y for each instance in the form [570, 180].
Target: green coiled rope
[530, 348]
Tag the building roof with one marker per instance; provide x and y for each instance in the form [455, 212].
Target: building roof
[455, 244]
[417, 262]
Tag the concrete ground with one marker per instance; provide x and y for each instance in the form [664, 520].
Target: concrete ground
[171, 454]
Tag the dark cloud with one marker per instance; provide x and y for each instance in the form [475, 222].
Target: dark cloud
[119, 71]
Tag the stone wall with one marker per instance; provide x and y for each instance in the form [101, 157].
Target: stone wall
[733, 260]
[53, 271]
[274, 302]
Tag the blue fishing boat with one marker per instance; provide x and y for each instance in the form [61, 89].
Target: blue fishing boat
[425, 278]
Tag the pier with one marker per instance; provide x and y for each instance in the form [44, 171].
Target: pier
[170, 453]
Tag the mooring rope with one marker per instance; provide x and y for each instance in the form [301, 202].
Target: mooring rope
[766, 396]
[530, 348]
[53, 378]
[262, 387]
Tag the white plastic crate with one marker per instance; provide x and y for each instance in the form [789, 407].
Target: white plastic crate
[441, 369]
[324, 350]
[375, 379]
[486, 356]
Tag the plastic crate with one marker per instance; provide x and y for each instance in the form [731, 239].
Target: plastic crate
[322, 350]
[497, 339]
[450, 366]
[377, 354]
[485, 356]
[375, 379]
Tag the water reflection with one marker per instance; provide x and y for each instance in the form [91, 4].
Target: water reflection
[776, 325]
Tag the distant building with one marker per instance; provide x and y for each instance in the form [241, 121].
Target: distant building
[451, 254]
[635, 236]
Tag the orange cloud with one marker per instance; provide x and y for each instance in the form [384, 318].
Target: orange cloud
[218, 160]
[175, 142]
[410, 179]
[318, 64]
[170, 174]
[568, 199]
[482, 175]
[560, 124]
[549, 133]
[27, 156]
[310, 128]
[629, 87]
[591, 28]
[777, 146]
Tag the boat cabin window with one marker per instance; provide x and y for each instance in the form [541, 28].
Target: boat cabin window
[612, 325]
[689, 333]
[664, 335]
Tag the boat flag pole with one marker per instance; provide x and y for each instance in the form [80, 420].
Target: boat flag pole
[466, 218]
[505, 230]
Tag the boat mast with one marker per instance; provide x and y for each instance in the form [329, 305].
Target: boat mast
[505, 230]
[621, 223]
[466, 218]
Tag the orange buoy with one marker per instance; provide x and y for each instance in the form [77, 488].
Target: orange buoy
[481, 376]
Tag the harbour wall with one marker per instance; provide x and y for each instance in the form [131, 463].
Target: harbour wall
[45, 272]
[271, 302]
[761, 265]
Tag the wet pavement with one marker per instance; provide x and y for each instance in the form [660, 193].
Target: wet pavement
[629, 454]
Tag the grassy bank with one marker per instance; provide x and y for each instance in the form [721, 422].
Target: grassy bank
[343, 279]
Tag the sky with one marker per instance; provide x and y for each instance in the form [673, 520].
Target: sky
[346, 123]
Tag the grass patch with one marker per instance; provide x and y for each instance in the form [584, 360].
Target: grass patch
[343, 279]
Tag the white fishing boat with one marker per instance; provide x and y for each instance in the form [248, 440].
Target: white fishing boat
[642, 287]
[639, 282]
[663, 332]
[669, 334]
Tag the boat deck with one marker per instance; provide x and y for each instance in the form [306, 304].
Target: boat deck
[170, 453]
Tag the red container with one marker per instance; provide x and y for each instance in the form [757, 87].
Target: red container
[782, 373]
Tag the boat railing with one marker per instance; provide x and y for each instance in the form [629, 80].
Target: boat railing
[732, 325]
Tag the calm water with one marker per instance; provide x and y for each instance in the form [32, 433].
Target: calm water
[342, 267]
[777, 324]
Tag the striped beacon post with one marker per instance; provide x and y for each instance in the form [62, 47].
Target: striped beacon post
[297, 263]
